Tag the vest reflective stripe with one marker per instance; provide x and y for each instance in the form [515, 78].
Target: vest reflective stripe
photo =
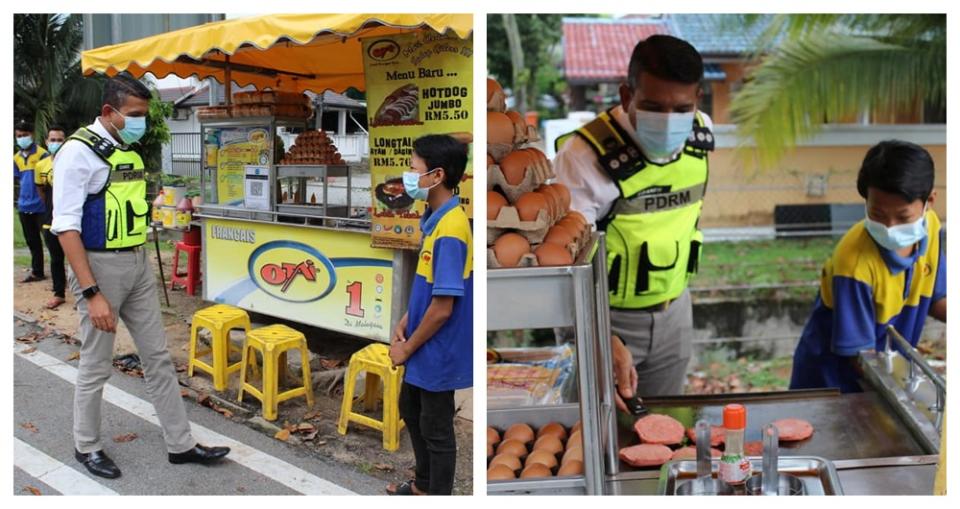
[653, 242]
[116, 216]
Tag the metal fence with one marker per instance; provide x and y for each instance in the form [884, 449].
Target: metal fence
[182, 156]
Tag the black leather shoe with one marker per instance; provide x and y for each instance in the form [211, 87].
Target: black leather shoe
[98, 464]
[199, 454]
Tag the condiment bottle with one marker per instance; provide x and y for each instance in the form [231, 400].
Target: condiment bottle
[734, 466]
[157, 215]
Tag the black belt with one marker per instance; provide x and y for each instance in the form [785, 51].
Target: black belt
[663, 306]
[117, 250]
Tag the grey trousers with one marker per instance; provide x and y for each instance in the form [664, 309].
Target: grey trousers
[127, 280]
[661, 343]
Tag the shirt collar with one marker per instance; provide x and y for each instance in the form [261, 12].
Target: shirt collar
[32, 149]
[430, 218]
[98, 127]
[897, 263]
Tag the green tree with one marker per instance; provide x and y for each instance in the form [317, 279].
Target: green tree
[48, 86]
[158, 133]
[539, 35]
[820, 68]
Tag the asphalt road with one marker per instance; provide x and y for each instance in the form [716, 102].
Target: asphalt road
[43, 443]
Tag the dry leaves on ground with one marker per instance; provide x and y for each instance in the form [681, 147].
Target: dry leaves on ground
[126, 437]
[383, 467]
[282, 435]
[73, 356]
[32, 490]
[30, 338]
[313, 414]
[29, 427]
[29, 350]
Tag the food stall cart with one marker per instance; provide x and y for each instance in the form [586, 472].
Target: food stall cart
[882, 441]
[276, 240]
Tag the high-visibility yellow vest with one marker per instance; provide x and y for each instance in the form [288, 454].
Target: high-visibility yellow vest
[653, 239]
[116, 216]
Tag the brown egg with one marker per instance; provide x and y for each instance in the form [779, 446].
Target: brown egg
[564, 194]
[500, 473]
[493, 87]
[507, 459]
[561, 236]
[489, 450]
[520, 431]
[514, 167]
[493, 436]
[552, 255]
[530, 204]
[518, 123]
[499, 128]
[535, 470]
[554, 428]
[509, 248]
[548, 443]
[573, 453]
[543, 457]
[536, 156]
[555, 200]
[578, 217]
[572, 467]
[495, 201]
[512, 446]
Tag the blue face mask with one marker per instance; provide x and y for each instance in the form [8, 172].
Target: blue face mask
[661, 135]
[54, 146]
[899, 236]
[133, 128]
[24, 142]
[411, 184]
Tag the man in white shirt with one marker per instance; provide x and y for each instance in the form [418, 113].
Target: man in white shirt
[638, 172]
[100, 217]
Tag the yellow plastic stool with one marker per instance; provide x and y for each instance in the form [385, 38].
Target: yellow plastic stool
[219, 320]
[375, 360]
[273, 342]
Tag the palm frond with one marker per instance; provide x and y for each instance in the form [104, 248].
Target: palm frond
[815, 79]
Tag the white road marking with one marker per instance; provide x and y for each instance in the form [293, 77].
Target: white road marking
[53, 473]
[280, 471]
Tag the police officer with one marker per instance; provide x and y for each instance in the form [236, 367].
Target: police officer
[100, 216]
[638, 172]
[44, 179]
[29, 204]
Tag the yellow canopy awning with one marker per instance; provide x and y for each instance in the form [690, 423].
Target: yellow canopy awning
[290, 52]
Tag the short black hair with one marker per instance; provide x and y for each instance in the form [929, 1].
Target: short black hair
[898, 167]
[23, 125]
[122, 85]
[56, 127]
[443, 151]
[667, 58]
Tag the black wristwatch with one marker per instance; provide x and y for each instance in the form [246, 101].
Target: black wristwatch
[88, 293]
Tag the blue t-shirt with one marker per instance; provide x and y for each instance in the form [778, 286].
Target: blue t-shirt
[445, 361]
[24, 163]
[863, 288]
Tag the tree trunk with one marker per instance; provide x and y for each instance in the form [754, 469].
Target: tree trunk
[519, 78]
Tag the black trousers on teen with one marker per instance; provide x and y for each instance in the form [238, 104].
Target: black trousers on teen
[32, 225]
[57, 269]
[429, 419]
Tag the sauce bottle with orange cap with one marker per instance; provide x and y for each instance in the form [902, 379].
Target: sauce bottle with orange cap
[735, 468]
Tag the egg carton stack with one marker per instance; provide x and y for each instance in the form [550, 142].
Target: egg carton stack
[554, 452]
[529, 221]
[312, 147]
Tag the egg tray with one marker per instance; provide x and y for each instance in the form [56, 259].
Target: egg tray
[532, 180]
[498, 102]
[534, 231]
[529, 260]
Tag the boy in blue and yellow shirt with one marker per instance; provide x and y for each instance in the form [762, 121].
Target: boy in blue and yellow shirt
[434, 338]
[29, 202]
[889, 269]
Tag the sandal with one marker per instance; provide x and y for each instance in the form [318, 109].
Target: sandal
[404, 488]
[31, 278]
[55, 302]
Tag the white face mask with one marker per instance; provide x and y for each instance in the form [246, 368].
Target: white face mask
[899, 236]
[661, 135]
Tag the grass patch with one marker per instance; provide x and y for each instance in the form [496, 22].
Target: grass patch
[18, 240]
[727, 266]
